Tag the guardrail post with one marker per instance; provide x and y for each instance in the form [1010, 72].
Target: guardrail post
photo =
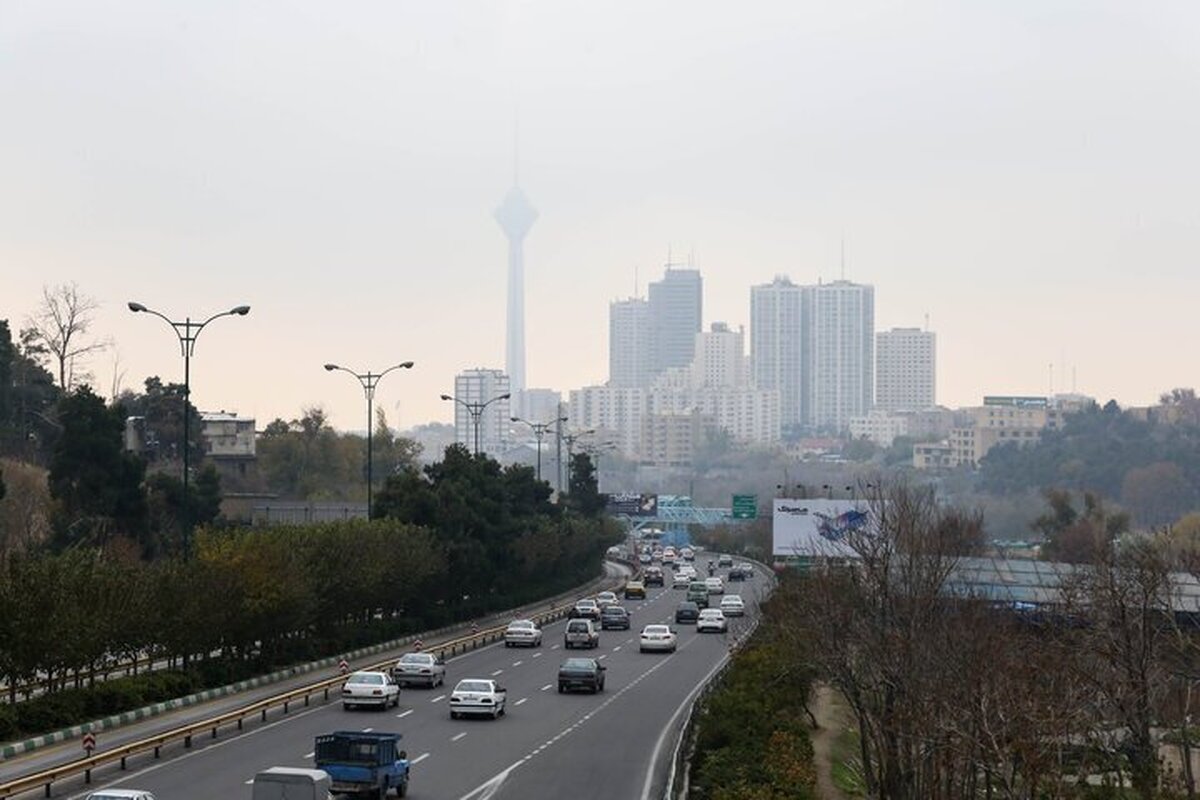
[306, 701]
[214, 732]
[122, 763]
[187, 741]
[87, 776]
[326, 692]
[156, 751]
[285, 706]
[264, 715]
[47, 790]
[239, 723]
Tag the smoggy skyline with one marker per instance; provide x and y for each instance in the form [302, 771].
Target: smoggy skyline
[1023, 173]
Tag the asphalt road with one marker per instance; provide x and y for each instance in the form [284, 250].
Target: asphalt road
[615, 744]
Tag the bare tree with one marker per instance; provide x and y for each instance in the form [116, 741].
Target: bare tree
[61, 325]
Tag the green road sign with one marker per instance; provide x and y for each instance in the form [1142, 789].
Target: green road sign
[745, 506]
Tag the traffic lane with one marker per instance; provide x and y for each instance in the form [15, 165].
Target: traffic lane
[58, 755]
[610, 754]
[211, 768]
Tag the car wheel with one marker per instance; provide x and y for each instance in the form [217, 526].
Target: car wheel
[347, 706]
[561, 688]
[453, 715]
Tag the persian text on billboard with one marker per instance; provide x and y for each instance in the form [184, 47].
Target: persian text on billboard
[816, 527]
[633, 504]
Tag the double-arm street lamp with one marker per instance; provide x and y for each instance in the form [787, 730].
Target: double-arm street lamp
[570, 439]
[476, 411]
[369, 381]
[540, 429]
[187, 331]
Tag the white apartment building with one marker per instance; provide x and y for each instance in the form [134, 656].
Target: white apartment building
[879, 427]
[777, 346]
[615, 413]
[841, 335]
[630, 344]
[906, 369]
[479, 402]
[720, 358]
[749, 416]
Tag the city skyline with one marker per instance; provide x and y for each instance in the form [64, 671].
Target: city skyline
[1022, 177]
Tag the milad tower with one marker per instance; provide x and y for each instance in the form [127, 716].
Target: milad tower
[516, 216]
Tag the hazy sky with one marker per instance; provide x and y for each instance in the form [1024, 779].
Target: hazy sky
[1025, 173]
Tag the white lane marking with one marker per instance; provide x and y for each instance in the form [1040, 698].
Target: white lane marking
[518, 663]
[307, 756]
[488, 789]
[404, 714]
[419, 758]
[367, 730]
[547, 687]
[458, 736]
[601, 658]
[497, 672]
[553, 647]
[522, 700]
[537, 655]
[438, 699]
[615, 649]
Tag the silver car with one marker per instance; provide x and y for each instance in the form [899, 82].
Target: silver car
[522, 633]
[425, 669]
[478, 696]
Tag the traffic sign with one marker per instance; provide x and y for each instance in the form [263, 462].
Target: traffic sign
[343, 666]
[745, 506]
[89, 742]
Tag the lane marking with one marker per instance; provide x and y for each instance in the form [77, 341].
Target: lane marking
[497, 672]
[618, 647]
[367, 730]
[553, 647]
[537, 655]
[547, 687]
[307, 756]
[438, 699]
[518, 663]
[419, 758]
[522, 700]
[458, 736]
[601, 658]
[404, 714]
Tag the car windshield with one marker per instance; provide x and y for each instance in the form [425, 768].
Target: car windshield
[586, 603]
[579, 663]
[614, 611]
[416, 658]
[656, 629]
[520, 624]
[371, 679]
[711, 613]
[473, 686]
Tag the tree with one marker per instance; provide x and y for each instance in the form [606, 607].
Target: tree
[61, 324]
[96, 484]
[583, 494]
[1074, 536]
[1157, 493]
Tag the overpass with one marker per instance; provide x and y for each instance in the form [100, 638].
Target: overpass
[672, 515]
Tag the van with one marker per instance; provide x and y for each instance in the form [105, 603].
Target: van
[292, 783]
[580, 633]
[698, 593]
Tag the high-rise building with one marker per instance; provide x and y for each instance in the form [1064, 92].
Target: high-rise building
[841, 336]
[676, 306]
[778, 358]
[720, 358]
[516, 216]
[630, 344]
[478, 390]
[905, 371]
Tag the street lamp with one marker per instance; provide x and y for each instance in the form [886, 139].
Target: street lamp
[369, 381]
[539, 432]
[570, 439]
[476, 411]
[187, 331]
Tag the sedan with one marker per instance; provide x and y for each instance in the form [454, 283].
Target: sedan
[732, 605]
[714, 585]
[635, 590]
[687, 612]
[586, 609]
[680, 581]
[370, 689]
[606, 599]
[481, 696]
[614, 618]
[658, 637]
[423, 668]
[581, 673]
[712, 619]
[522, 633]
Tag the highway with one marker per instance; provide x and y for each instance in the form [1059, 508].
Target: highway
[616, 744]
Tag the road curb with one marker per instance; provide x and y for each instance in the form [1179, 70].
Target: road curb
[14, 749]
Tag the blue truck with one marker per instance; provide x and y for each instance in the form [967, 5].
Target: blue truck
[361, 763]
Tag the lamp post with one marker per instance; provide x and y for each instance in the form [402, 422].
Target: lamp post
[476, 411]
[540, 429]
[570, 439]
[369, 381]
[187, 331]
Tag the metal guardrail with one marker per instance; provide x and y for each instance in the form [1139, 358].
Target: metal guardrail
[48, 777]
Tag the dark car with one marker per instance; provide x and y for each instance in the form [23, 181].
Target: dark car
[614, 617]
[736, 574]
[653, 576]
[581, 673]
[687, 612]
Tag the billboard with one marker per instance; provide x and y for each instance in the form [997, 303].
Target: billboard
[632, 504]
[816, 527]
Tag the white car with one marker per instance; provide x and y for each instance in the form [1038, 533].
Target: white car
[732, 605]
[120, 794]
[522, 633]
[680, 581]
[370, 689]
[658, 637]
[606, 599]
[715, 585]
[478, 696]
[712, 619]
[424, 668]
